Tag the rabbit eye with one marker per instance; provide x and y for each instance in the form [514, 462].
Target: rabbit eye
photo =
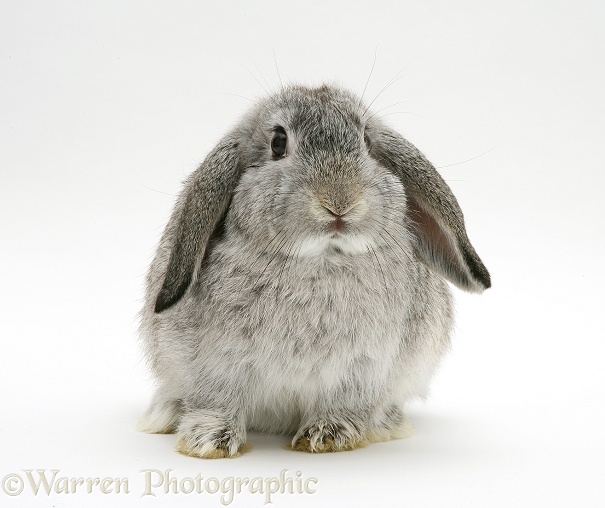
[279, 141]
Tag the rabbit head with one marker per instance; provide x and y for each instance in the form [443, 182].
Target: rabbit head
[313, 172]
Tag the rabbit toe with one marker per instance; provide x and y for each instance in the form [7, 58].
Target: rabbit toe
[328, 436]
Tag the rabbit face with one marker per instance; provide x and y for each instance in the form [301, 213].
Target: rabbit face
[314, 187]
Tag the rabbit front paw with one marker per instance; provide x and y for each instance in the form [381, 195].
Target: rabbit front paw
[209, 437]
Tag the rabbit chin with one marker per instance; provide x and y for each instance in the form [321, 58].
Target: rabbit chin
[335, 245]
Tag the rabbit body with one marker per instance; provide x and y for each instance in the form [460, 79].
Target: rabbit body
[307, 308]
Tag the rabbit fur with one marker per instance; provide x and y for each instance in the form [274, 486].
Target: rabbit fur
[303, 293]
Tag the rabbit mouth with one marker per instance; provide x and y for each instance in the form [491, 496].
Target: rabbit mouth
[337, 227]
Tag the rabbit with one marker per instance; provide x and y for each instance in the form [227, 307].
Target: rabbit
[300, 284]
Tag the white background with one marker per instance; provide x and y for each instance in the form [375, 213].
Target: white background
[107, 106]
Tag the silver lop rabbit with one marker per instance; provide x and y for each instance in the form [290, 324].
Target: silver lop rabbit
[299, 284]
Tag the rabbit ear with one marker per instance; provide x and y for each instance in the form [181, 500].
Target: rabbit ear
[206, 197]
[437, 221]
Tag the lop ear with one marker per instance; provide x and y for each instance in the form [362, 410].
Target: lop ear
[205, 200]
[437, 221]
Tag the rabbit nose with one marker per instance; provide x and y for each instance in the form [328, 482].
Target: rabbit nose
[338, 211]
[338, 224]
[333, 213]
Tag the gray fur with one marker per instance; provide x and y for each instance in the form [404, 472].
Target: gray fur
[258, 315]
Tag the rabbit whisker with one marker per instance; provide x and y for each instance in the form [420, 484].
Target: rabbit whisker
[384, 280]
[384, 229]
[464, 162]
[402, 113]
[257, 80]
[288, 260]
[159, 192]
[281, 84]
[273, 256]
[266, 248]
[257, 102]
[389, 84]
[382, 109]
[369, 77]
[262, 76]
